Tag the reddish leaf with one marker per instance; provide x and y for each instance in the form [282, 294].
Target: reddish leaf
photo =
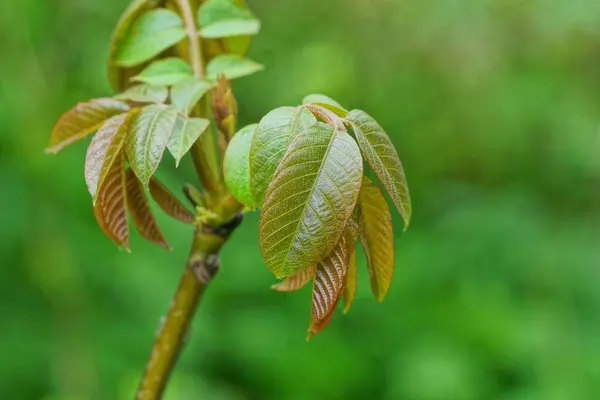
[110, 209]
[142, 216]
[296, 281]
[351, 278]
[82, 120]
[316, 327]
[169, 203]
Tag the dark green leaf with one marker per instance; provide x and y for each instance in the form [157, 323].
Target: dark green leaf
[236, 166]
[185, 134]
[168, 71]
[273, 136]
[379, 151]
[149, 35]
[231, 66]
[187, 93]
[145, 94]
[150, 132]
[312, 195]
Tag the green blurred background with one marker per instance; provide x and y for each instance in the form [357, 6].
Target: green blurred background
[494, 106]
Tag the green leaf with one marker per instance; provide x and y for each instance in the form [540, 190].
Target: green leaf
[312, 195]
[327, 102]
[232, 66]
[351, 281]
[168, 71]
[145, 94]
[185, 94]
[82, 120]
[104, 149]
[376, 237]
[185, 134]
[273, 136]
[379, 151]
[296, 281]
[148, 36]
[214, 11]
[149, 134]
[233, 27]
[236, 165]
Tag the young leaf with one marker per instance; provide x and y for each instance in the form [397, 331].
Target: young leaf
[117, 75]
[225, 108]
[169, 203]
[149, 35]
[142, 216]
[327, 102]
[327, 285]
[312, 195]
[186, 132]
[379, 151]
[82, 120]
[296, 281]
[185, 94]
[376, 237]
[224, 18]
[105, 149]
[233, 27]
[110, 209]
[275, 132]
[231, 66]
[351, 275]
[145, 94]
[168, 71]
[150, 131]
[236, 166]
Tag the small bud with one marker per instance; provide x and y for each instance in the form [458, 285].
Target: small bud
[225, 108]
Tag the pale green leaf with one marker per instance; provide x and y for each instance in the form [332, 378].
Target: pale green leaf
[213, 11]
[236, 165]
[312, 195]
[168, 71]
[381, 155]
[185, 134]
[376, 237]
[82, 120]
[186, 94]
[273, 136]
[327, 102]
[149, 35]
[104, 149]
[231, 66]
[145, 94]
[232, 27]
[150, 132]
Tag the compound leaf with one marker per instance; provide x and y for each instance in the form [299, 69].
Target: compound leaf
[150, 131]
[232, 66]
[274, 133]
[168, 71]
[327, 102]
[105, 149]
[380, 153]
[296, 281]
[312, 195]
[110, 209]
[169, 203]
[236, 165]
[82, 120]
[185, 94]
[150, 34]
[142, 216]
[376, 237]
[186, 132]
[145, 94]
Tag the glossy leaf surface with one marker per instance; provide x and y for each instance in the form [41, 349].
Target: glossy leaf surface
[110, 209]
[169, 203]
[145, 94]
[382, 156]
[142, 216]
[236, 165]
[312, 195]
[376, 237]
[168, 71]
[186, 132]
[150, 132]
[150, 34]
[231, 66]
[82, 120]
[275, 132]
[296, 281]
[105, 149]
[186, 94]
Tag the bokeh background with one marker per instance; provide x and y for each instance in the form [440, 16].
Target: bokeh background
[494, 106]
